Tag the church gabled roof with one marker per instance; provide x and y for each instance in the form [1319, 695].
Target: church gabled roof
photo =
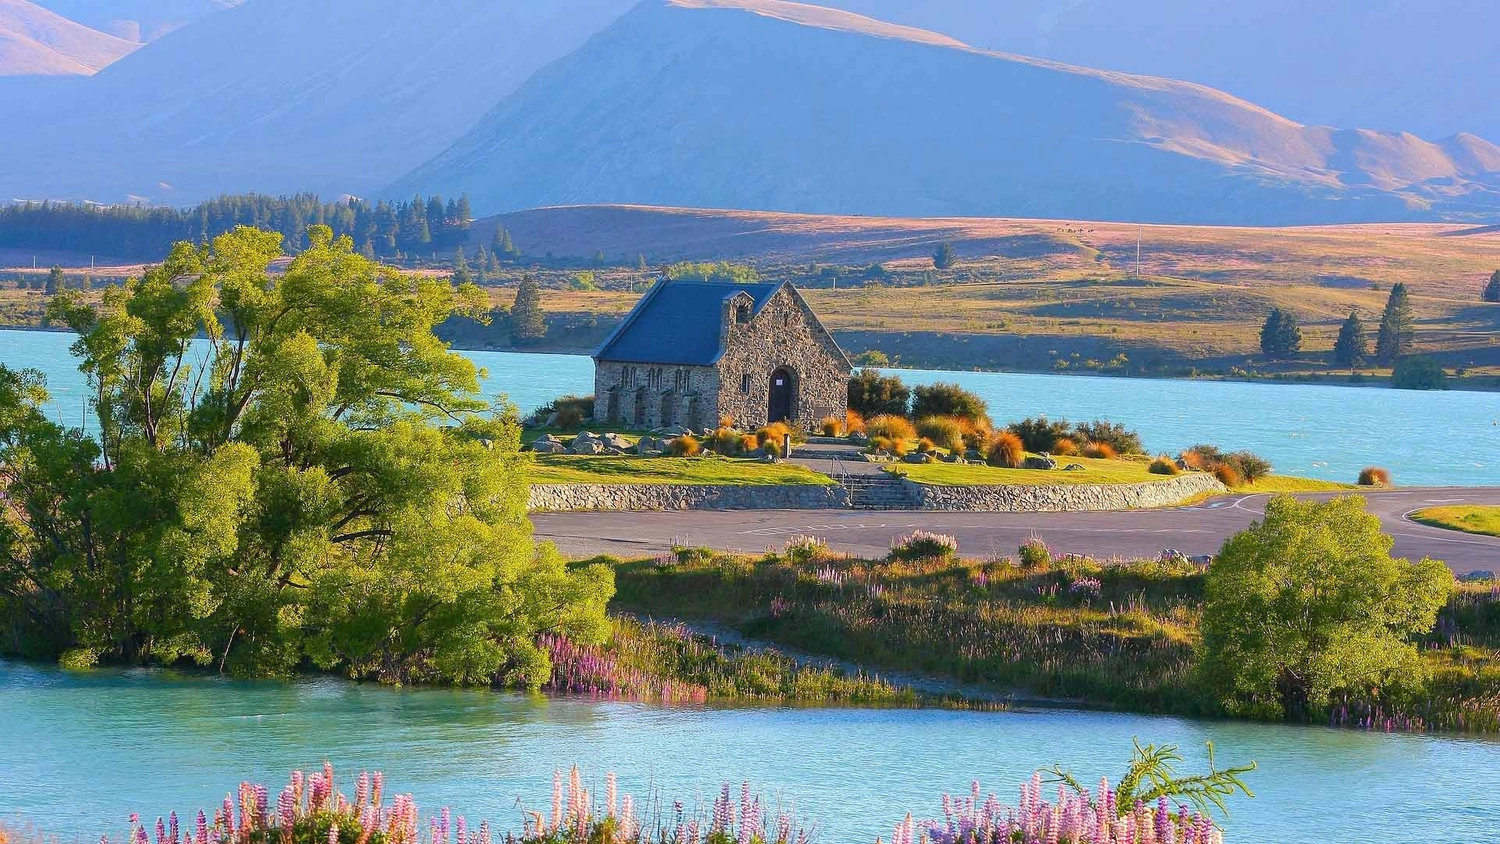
[679, 323]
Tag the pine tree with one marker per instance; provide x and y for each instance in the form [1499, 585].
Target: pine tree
[944, 257]
[502, 246]
[482, 262]
[1351, 348]
[1281, 336]
[528, 324]
[461, 272]
[1397, 327]
[1492, 290]
[55, 281]
[465, 213]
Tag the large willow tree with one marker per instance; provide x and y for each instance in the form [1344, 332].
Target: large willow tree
[284, 468]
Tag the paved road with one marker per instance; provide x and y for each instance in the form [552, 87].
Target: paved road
[1142, 533]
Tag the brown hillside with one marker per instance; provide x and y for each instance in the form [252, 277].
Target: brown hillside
[38, 42]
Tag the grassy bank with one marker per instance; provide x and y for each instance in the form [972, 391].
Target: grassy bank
[692, 471]
[1477, 519]
[1095, 472]
[1109, 635]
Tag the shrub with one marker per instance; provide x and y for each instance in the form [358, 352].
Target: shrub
[979, 440]
[726, 421]
[1228, 476]
[565, 412]
[685, 446]
[1164, 465]
[853, 422]
[1419, 372]
[772, 448]
[945, 431]
[749, 443]
[948, 400]
[1203, 458]
[1099, 450]
[1006, 452]
[1249, 465]
[725, 441]
[1064, 447]
[921, 545]
[891, 427]
[1040, 433]
[831, 427]
[900, 448]
[873, 394]
[774, 432]
[926, 446]
[884, 444]
[805, 549]
[1035, 554]
[1374, 476]
[1117, 436]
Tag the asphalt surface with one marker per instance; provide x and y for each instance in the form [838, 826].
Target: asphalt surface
[1135, 534]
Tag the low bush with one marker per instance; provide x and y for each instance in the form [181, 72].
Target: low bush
[1419, 372]
[1248, 466]
[949, 400]
[874, 394]
[1251, 466]
[1035, 554]
[776, 432]
[945, 431]
[684, 446]
[1202, 458]
[1064, 447]
[1116, 436]
[854, 423]
[1006, 451]
[726, 421]
[1164, 465]
[1374, 476]
[1228, 475]
[725, 441]
[805, 549]
[879, 444]
[921, 545]
[926, 446]
[1041, 434]
[891, 427]
[831, 427]
[900, 448]
[772, 448]
[749, 443]
[1099, 450]
[565, 412]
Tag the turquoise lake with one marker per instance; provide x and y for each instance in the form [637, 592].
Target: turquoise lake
[82, 751]
[1423, 438]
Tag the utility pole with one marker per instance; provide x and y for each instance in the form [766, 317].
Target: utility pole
[1137, 251]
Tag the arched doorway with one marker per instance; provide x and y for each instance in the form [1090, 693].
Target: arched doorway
[783, 395]
[668, 410]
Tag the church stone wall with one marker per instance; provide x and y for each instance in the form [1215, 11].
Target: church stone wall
[645, 396]
[783, 335]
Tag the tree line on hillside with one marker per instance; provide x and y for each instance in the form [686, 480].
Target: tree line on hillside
[419, 226]
[1395, 338]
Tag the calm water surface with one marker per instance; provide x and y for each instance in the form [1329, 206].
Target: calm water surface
[1439, 439]
[82, 751]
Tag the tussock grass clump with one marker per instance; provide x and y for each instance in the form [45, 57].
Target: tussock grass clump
[922, 545]
[891, 427]
[1164, 465]
[725, 441]
[774, 432]
[1100, 450]
[749, 443]
[1228, 475]
[854, 422]
[1006, 451]
[1064, 447]
[1374, 476]
[926, 446]
[945, 431]
[685, 446]
[831, 427]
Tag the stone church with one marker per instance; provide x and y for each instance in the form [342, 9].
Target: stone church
[693, 352]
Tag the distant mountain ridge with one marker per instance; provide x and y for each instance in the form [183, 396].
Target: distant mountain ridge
[137, 20]
[765, 104]
[37, 42]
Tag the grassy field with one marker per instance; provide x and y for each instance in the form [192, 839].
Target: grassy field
[1482, 520]
[1095, 472]
[1027, 295]
[1117, 635]
[694, 471]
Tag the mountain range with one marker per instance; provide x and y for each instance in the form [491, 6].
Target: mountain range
[766, 104]
[35, 41]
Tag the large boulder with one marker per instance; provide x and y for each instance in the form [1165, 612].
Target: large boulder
[586, 443]
[1074, 467]
[1040, 461]
[546, 446]
[919, 458]
[616, 442]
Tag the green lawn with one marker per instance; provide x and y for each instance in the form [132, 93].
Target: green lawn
[1095, 472]
[1289, 483]
[696, 471]
[1482, 520]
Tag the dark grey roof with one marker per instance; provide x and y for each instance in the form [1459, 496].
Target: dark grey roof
[678, 323]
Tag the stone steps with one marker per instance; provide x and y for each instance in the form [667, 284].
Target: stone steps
[876, 492]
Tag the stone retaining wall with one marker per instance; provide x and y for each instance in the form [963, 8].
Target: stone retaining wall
[576, 497]
[1064, 498]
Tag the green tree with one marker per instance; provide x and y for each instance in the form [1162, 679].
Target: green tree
[1418, 372]
[462, 275]
[1351, 347]
[1308, 602]
[873, 394]
[1397, 327]
[56, 281]
[501, 246]
[528, 322]
[944, 258]
[1281, 336]
[329, 489]
[1492, 289]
